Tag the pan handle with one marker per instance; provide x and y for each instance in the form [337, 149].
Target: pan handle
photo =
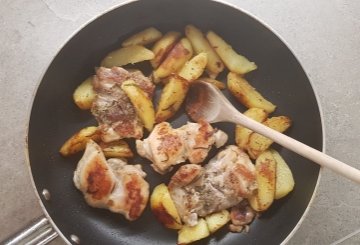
[38, 232]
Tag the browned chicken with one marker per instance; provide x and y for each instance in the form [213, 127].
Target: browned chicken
[166, 146]
[111, 184]
[112, 108]
[223, 183]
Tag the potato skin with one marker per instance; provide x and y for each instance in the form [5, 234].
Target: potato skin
[171, 98]
[144, 37]
[127, 55]
[163, 46]
[265, 168]
[78, 141]
[246, 94]
[163, 208]
[141, 102]
[175, 60]
[258, 143]
[84, 94]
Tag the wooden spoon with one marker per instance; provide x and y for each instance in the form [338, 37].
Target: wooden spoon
[205, 101]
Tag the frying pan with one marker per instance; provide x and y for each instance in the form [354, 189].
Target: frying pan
[54, 117]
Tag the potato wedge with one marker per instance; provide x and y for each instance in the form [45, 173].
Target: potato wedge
[194, 68]
[116, 149]
[218, 84]
[84, 94]
[214, 65]
[265, 168]
[163, 46]
[189, 234]
[232, 60]
[246, 94]
[147, 36]
[258, 143]
[163, 207]
[171, 98]
[242, 134]
[78, 141]
[175, 60]
[142, 104]
[217, 220]
[284, 179]
[127, 55]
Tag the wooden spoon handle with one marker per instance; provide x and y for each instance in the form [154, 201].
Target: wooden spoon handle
[298, 147]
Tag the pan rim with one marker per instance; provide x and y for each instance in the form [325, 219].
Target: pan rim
[231, 5]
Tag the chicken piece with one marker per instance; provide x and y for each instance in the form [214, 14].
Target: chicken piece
[112, 109]
[111, 184]
[223, 183]
[166, 146]
[241, 216]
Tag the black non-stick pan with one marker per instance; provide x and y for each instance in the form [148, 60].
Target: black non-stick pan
[54, 117]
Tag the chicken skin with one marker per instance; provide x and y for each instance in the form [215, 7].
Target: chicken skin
[166, 146]
[223, 183]
[111, 184]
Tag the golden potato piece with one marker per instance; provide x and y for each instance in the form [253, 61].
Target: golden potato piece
[171, 98]
[189, 234]
[143, 105]
[218, 84]
[144, 37]
[175, 60]
[163, 46]
[163, 207]
[214, 65]
[242, 134]
[78, 141]
[265, 168]
[232, 60]
[84, 94]
[116, 149]
[127, 55]
[258, 143]
[284, 179]
[217, 220]
[246, 94]
[194, 68]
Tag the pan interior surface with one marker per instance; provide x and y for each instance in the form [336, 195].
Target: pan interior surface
[54, 118]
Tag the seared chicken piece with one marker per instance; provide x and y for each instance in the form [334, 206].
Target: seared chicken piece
[112, 108]
[223, 183]
[166, 146]
[111, 184]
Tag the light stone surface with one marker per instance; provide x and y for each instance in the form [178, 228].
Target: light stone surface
[324, 35]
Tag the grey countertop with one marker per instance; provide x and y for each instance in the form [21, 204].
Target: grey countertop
[324, 34]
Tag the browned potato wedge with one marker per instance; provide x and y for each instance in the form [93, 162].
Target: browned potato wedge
[265, 168]
[217, 220]
[218, 84]
[143, 105]
[78, 141]
[127, 55]
[284, 179]
[246, 94]
[242, 134]
[258, 143]
[175, 60]
[84, 94]
[144, 37]
[171, 98]
[200, 44]
[116, 149]
[163, 46]
[194, 68]
[164, 208]
[189, 234]
[232, 60]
